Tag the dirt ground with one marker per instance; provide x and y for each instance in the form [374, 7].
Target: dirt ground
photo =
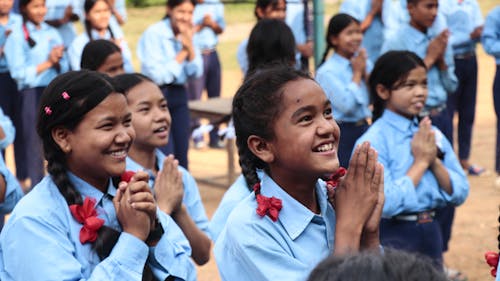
[476, 228]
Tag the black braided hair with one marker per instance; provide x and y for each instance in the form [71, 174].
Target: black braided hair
[391, 70]
[27, 36]
[336, 24]
[87, 6]
[256, 106]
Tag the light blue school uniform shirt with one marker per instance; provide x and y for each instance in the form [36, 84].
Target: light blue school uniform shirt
[373, 37]
[14, 23]
[23, 60]
[462, 18]
[439, 83]
[76, 48]
[206, 38]
[191, 199]
[349, 100]
[242, 57]
[8, 129]
[55, 11]
[255, 248]
[13, 191]
[157, 49]
[491, 34]
[41, 242]
[394, 153]
[295, 20]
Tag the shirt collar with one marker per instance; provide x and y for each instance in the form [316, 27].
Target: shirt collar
[399, 122]
[340, 60]
[418, 36]
[95, 34]
[134, 166]
[169, 32]
[294, 216]
[87, 190]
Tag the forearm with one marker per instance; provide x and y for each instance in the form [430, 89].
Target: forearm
[417, 171]
[442, 176]
[347, 238]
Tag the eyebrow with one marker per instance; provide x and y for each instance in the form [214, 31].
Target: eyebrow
[308, 108]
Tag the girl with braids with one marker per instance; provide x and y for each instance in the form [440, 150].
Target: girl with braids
[35, 55]
[174, 188]
[342, 77]
[284, 126]
[103, 56]
[422, 172]
[98, 26]
[80, 222]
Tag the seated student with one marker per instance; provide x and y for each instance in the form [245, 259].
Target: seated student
[393, 265]
[102, 56]
[97, 26]
[284, 126]
[422, 172]
[81, 222]
[175, 190]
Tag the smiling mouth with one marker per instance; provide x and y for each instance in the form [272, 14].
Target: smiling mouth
[119, 153]
[161, 129]
[324, 147]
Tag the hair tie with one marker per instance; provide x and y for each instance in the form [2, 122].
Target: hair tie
[86, 214]
[334, 179]
[65, 95]
[47, 110]
[267, 206]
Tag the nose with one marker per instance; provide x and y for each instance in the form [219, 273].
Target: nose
[126, 135]
[328, 127]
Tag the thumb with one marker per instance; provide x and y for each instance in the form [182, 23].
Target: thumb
[118, 198]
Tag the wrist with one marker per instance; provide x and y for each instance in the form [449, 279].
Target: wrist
[155, 234]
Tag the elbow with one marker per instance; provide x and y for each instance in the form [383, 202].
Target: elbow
[203, 256]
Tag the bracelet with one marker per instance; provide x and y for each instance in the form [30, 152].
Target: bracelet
[155, 234]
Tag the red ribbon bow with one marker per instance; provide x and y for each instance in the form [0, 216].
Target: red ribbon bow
[334, 178]
[492, 260]
[87, 215]
[127, 176]
[267, 206]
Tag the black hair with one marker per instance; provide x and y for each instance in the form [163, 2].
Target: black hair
[391, 70]
[336, 24]
[96, 52]
[174, 3]
[271, 41]
[87, 6]
[256, 106]
[27, 36]
[127, 81]
[392, 265]
[263, 4]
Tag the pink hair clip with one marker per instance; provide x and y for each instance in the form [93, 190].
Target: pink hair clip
[65, 95]
[48, 111]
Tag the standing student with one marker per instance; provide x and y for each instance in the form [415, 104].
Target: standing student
[175, 190]
[61, 16]
[169, 57]
[422, 172]
[103, 56]
[97, 26]
[80, 222]
[491, 44]
[35, 55]
[466, 24]
[284, 126]
[342, 77]
[299, 19]
[209, 23]
[369, 14]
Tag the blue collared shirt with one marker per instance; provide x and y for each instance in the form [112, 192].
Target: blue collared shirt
[440, 83]
[14, 23]
[255, 248]
[191, 199]
[8, 129]
[41, 242]
[206, 37]
[394, 152]
[23, 60]
[76, 48]
[13, 191]
[349, 100]
[55, 11]
[491, 34]
[157, 49]
[373, 37]
[462, 18]
[295, 20]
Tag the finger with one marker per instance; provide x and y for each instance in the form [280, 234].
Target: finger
[146, 207]
[140, 186]
[122, 186]
[141, 197]
[140, 176]
[371, 163]
[378, 176]
[117, 198]
[351, 172]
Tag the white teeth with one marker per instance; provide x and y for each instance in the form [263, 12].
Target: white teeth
[120, 153]
[325, 147]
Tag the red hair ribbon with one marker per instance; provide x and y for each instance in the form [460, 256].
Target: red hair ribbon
[127, 176]
[87, 215]
[334, 178]
[492, 260]
[267, 206]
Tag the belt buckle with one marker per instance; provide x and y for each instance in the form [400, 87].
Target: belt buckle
[424, 217]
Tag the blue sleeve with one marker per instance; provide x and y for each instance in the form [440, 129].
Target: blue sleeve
[241, 57]
[127, 56]
[75, 52]
[121, 8]
[353, 8]
[448, 77]
[193, 202]
[13, 191]
[63, 62]
[220, 16]
[194, 68]
[8, 129]
[491, 34]
[17, 54]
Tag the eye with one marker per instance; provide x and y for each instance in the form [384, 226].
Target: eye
[106, 126]
[164, 106]
[143, 110]
[328, 112]
[127, 122]
[305, 119]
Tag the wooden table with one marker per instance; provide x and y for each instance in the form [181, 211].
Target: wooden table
[216, 109]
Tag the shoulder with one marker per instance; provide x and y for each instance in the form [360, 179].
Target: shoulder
[158, 28]
[80, 41]
[376, 133]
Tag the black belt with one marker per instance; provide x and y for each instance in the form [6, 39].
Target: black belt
[421, 217]
[464, 56]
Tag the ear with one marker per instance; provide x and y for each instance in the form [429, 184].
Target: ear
[260, 148]
[259, 12]
[61, 135]
[382, 92]
[334, 40]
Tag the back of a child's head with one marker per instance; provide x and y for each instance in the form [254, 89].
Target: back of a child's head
[256, 106]
[96, 52]
[336, 24]
[392, 265]
[390, 71]
[271, 41]
[127, 81]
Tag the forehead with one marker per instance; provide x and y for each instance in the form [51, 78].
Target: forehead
[144, 91]
[426, 3]
[302, 92]
[115, 104]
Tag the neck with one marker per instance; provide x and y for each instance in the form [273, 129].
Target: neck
[101, 32]
[4, 18]
[145, 157]
[300, 187]
[418, 27]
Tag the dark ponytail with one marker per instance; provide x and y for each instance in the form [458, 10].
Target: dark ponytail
[336, 24]
[26, 33]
